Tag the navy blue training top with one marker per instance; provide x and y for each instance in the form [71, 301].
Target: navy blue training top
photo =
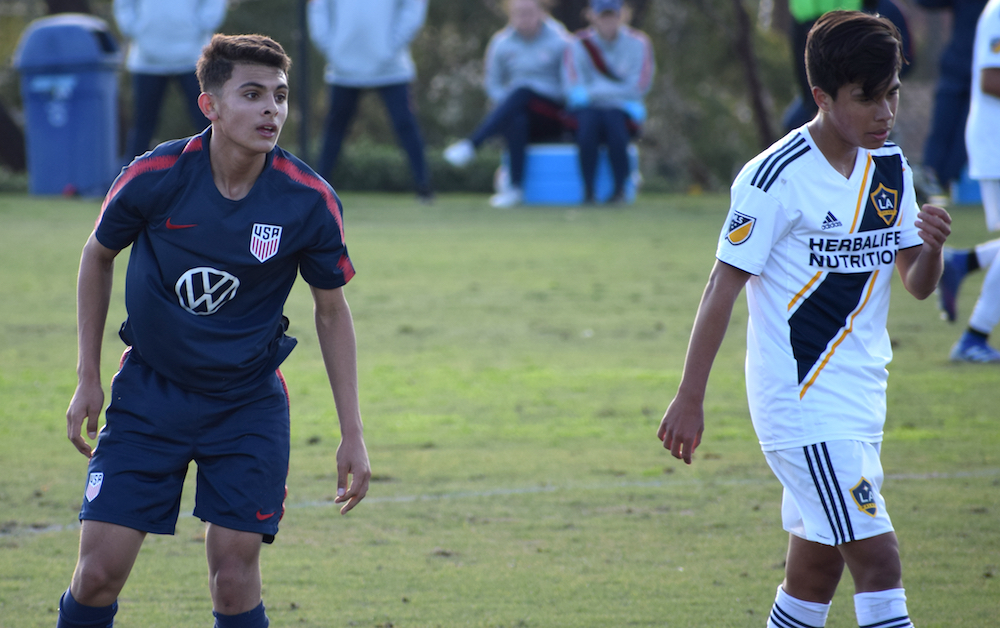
[207, 276]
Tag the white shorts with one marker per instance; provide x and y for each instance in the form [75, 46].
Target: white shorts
[832, 491]
[990, 190]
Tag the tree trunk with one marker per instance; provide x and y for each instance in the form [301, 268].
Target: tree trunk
[67, 6]
[12, 146]
[744, 50]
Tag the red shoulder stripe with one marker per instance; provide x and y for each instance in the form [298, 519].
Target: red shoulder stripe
[286, 166]
[141, 166]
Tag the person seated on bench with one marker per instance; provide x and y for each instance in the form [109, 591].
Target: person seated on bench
[608, 71]
[523, 79]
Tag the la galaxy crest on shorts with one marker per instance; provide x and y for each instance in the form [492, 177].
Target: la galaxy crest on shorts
[864, 497]
[740, 228]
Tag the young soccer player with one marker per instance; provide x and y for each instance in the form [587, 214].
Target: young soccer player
[220, 224]
[817, 223]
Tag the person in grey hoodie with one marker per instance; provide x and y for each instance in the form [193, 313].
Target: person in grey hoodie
[523, 80]
[366, 45]
[609, 70]
[166, 39]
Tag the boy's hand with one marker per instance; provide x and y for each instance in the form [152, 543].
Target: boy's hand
[87, 402]
[682, 427]
[934, 226]
[352, 461]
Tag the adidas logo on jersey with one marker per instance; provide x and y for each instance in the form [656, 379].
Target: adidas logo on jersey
[831, 222]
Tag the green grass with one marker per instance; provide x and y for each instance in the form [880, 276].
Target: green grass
[513, 366]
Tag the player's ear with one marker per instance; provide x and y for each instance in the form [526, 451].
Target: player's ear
[206, 102]
[823, 100]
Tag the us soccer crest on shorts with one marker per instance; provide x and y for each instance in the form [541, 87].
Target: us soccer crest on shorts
[94, 486]
[864, 497]
[740, 228]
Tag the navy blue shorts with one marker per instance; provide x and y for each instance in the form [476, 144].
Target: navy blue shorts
[154, 429]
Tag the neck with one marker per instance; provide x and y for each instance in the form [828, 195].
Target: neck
[234, 171]
[840, 154]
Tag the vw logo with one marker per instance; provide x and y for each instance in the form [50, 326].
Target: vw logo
[202, 291]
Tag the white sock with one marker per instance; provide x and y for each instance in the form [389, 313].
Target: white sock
[986, 314]
[885, 609]
[789, 612]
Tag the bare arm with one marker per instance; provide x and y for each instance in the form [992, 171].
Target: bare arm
[335, 329]
[920, 266]
[682, 425]
[93, 288]
[990, 81]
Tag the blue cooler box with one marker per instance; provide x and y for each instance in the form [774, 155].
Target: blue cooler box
[552, 175]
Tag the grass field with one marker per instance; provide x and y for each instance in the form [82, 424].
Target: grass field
[514, 366]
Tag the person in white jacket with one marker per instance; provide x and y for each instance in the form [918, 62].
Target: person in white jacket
[366, 45]
[165, 41]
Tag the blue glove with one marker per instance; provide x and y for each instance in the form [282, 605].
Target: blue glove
[578, 97]
[635, 110]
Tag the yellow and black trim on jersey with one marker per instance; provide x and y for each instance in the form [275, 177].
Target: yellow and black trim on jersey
[822, 313]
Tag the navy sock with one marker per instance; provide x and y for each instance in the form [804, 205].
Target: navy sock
[250, 619]
[72, 614]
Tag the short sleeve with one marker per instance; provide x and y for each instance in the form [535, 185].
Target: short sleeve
[325, 263]
[755, 222]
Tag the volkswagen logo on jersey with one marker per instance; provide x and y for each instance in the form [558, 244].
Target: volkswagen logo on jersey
[864, 497]
[264, 241]
[740, 228]
[884, 201]
[202, 291]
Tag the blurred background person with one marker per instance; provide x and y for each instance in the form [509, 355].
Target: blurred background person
[608, 71]
[165, 41]
[982, 136]
[523, 80]
[944, 150]
[367, 46]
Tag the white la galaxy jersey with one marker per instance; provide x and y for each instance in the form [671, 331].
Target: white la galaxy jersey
[822, 249]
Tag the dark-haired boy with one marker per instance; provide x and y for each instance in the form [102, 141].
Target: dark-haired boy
[220, 225]
[817, 223]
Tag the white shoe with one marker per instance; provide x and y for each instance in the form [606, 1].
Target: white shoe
[460, 153]
[506, 199]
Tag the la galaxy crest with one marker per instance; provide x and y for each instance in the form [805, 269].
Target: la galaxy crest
[885, 201]
[740, 228]
[864, 497]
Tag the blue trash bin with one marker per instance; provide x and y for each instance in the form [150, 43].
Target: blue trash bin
[69, 84]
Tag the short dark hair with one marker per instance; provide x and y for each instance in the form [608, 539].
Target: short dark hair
[853, 47]
[215, 66]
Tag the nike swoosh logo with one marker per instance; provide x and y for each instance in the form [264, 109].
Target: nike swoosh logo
[171, 225]
[263, 517]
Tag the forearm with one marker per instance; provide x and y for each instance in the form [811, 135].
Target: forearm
[921, 270]
[335, 330]
[710, 325]
[93, 297]
[990, 81]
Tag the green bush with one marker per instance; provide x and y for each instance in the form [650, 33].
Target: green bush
[365, 166]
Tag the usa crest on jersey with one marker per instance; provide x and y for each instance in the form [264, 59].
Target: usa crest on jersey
[264, 241]
[740, 228]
